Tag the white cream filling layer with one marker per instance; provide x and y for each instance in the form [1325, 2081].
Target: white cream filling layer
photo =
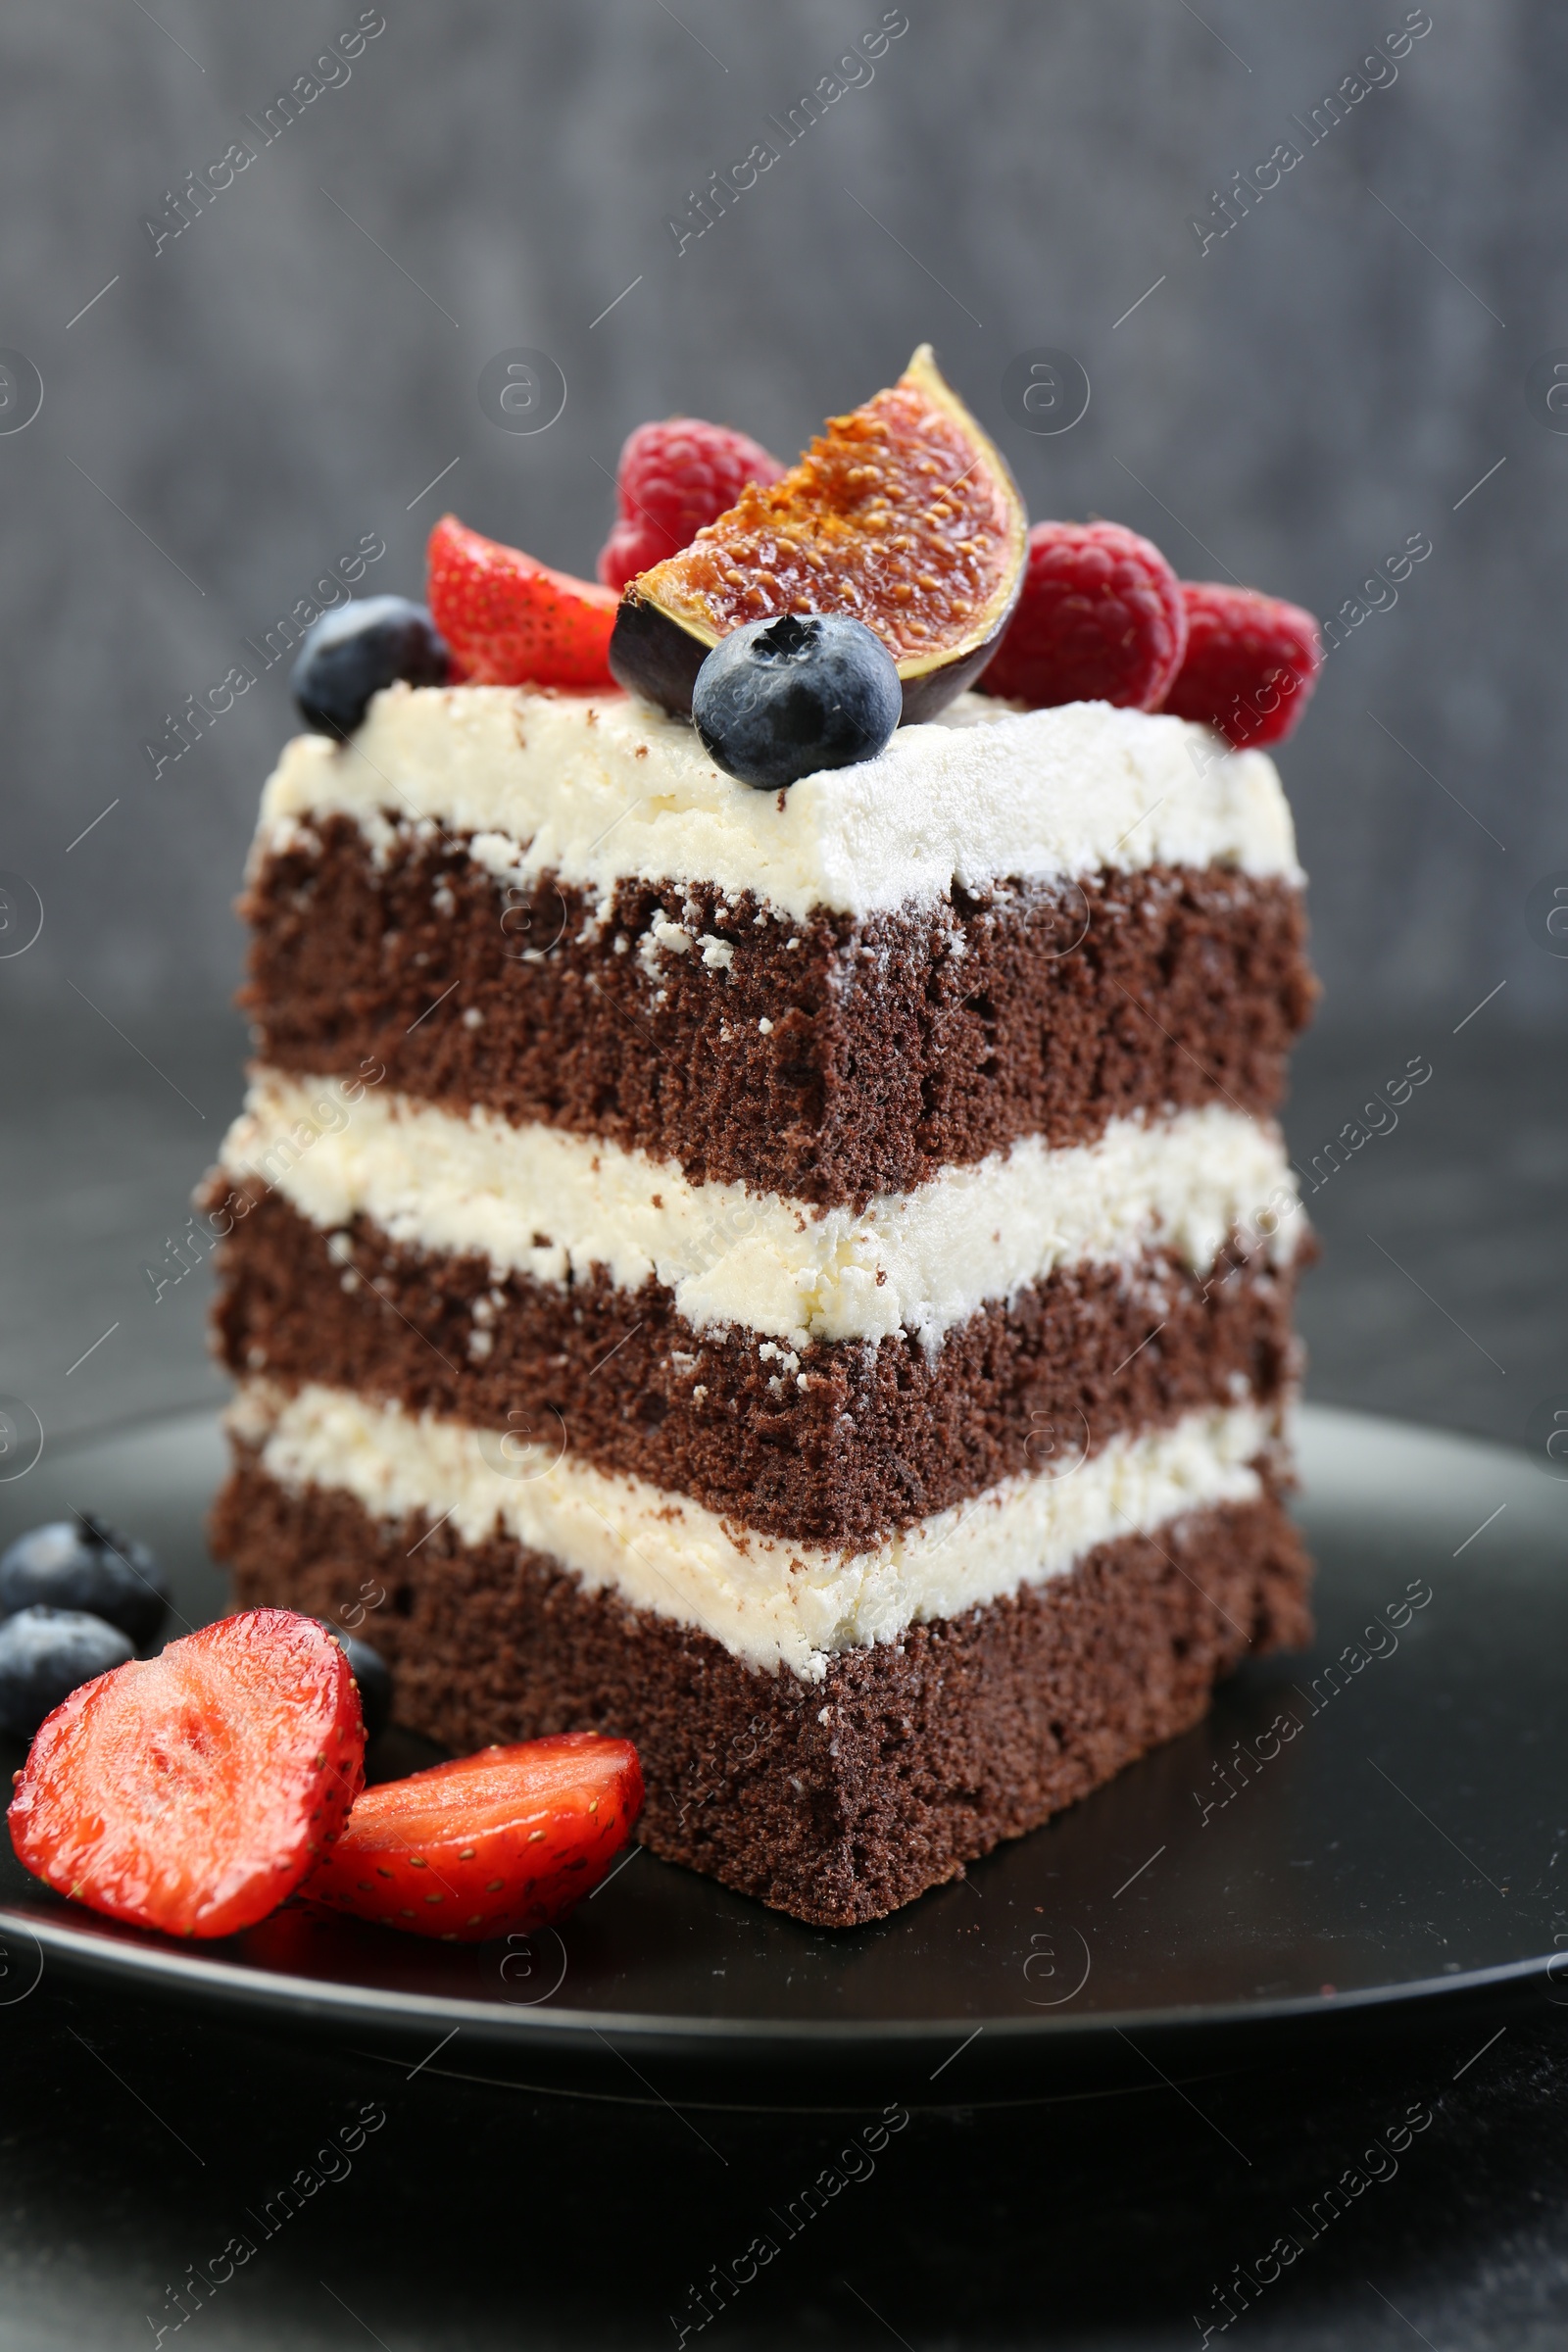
[540, 1202]
[593, 788]
[767, 1600]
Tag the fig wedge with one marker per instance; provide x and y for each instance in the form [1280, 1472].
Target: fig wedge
[902, 515]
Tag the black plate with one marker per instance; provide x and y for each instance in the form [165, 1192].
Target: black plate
[1395, 1838]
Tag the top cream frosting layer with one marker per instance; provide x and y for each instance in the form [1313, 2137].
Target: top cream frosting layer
[594, 788]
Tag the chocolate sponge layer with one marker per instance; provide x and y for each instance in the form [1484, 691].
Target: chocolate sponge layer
[836, 1800]
[828, 1059]
[881, 1433]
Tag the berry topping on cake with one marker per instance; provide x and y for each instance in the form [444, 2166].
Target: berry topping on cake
[511, 621]
[47, 1654]
[1251, 666]
[83, 1564]
[780, 699]
[1099, 620]
[674, 477]
[352, 652]
[901, 516]
[493, 1844]
[194, 1790]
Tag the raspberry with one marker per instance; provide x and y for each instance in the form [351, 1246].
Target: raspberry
[1252, 663]
[674, 478]
[1101, 619]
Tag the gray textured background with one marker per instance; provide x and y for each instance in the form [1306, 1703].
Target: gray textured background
[1316, 388]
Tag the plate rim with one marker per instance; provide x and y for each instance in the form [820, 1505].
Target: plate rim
[95, 1952]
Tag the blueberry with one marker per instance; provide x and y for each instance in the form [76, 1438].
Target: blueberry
[47, 1654]
[83, 1564]
[778, 700]
[373, 1676]
[352, 652]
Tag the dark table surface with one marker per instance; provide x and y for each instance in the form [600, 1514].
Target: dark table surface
[135, 2140]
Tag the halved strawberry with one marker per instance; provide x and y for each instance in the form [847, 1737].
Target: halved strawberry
[510, 621]
[493, 1844]
[194, 1790]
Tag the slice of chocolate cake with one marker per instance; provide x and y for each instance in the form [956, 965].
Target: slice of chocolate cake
[802, 1280]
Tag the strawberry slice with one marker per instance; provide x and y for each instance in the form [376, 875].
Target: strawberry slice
[194, 1790]
[510, 621]
[493, 1844]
